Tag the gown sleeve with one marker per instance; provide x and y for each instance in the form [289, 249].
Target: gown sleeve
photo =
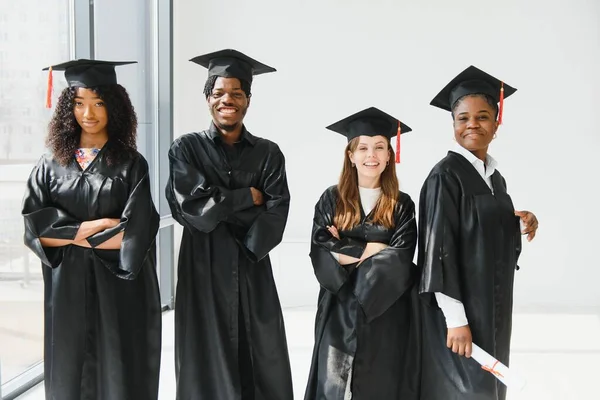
[439, 232]
[42, 219]
[196, 203]
[139, 223]
[330, 274]
[518, 237]
[267, 229]
[384, 277]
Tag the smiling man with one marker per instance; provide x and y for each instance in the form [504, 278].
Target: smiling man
[228, 188]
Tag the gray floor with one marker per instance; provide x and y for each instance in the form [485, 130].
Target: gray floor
[558, 355]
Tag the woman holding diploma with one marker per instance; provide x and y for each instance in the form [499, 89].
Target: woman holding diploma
[469, 244]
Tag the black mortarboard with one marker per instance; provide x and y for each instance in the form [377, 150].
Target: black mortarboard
[89, 73]
[230, 63]
[473, 81]
[371, 122]
[85, 73]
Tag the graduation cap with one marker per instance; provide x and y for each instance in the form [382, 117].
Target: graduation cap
[85, 73]
[230, 63]
[371, 122]
[473, 81]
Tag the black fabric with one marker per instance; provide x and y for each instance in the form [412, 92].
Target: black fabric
[102, 331]
[89, 73]
[369, 122]
[231, 63]
[224, 265]
[470, 81]
[469, 244]
[366, 325]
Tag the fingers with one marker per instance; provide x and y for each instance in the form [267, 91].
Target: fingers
[468, 349]
[531, 226]
[456, 347]
[459, 341]
[334, 232]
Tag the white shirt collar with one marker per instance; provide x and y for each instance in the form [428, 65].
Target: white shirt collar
[368, 198]
[490, 162]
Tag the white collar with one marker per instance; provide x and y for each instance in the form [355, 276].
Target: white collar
[490, 162]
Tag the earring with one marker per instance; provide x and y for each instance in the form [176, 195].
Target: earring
[353, 165]
[495, 135]
[387, 163]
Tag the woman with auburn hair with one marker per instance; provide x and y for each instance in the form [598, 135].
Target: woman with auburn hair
[90, 218]
[363, 242]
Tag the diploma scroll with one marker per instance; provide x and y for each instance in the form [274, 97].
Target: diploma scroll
[496, 368]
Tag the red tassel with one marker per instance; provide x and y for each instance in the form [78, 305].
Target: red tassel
[398, 143]
[501, 106]
[49, 89]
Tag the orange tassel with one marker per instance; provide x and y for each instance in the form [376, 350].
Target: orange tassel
[398, 143]
[49, 89]
[501, 106]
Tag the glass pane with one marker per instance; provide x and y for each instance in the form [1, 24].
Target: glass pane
[33, 35]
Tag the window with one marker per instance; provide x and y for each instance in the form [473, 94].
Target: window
[22, 133]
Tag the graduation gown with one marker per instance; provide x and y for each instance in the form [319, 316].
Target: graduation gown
[365, 325]
[226, 294]
[469, 243]
[102, 328]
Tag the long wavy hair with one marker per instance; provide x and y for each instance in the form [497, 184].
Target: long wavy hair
[64, 132]
[347, 210]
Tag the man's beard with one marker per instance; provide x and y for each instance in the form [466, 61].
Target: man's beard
[227, 128]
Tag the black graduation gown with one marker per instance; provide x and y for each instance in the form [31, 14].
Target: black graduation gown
[365, 322]
[469, 243]
[224, 264]
[102, 307]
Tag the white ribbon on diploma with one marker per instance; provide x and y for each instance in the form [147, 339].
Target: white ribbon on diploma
[488, 363]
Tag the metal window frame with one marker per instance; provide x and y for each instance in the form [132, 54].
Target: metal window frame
[162, 16]
[82, 45]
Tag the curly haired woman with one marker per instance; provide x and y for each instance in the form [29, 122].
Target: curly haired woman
[90, 218]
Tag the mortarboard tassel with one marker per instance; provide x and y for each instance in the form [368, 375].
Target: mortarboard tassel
[501, 105]
[398, 142]
[49, 89]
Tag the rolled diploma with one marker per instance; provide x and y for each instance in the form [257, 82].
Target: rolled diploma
[496, 368]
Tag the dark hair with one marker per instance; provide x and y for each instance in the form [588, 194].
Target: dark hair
[64, 132]
[210, 85]
[487, 98]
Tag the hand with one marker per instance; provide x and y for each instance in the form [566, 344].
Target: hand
[530, 222]
[460, 340]
[334, 232]
[257, 197]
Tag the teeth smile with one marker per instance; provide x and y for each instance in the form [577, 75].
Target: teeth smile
[371, 164]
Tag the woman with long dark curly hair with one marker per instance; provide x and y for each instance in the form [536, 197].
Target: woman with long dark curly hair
[90, 218]
[363, 242]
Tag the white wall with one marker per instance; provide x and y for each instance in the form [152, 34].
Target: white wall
[337, 57]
